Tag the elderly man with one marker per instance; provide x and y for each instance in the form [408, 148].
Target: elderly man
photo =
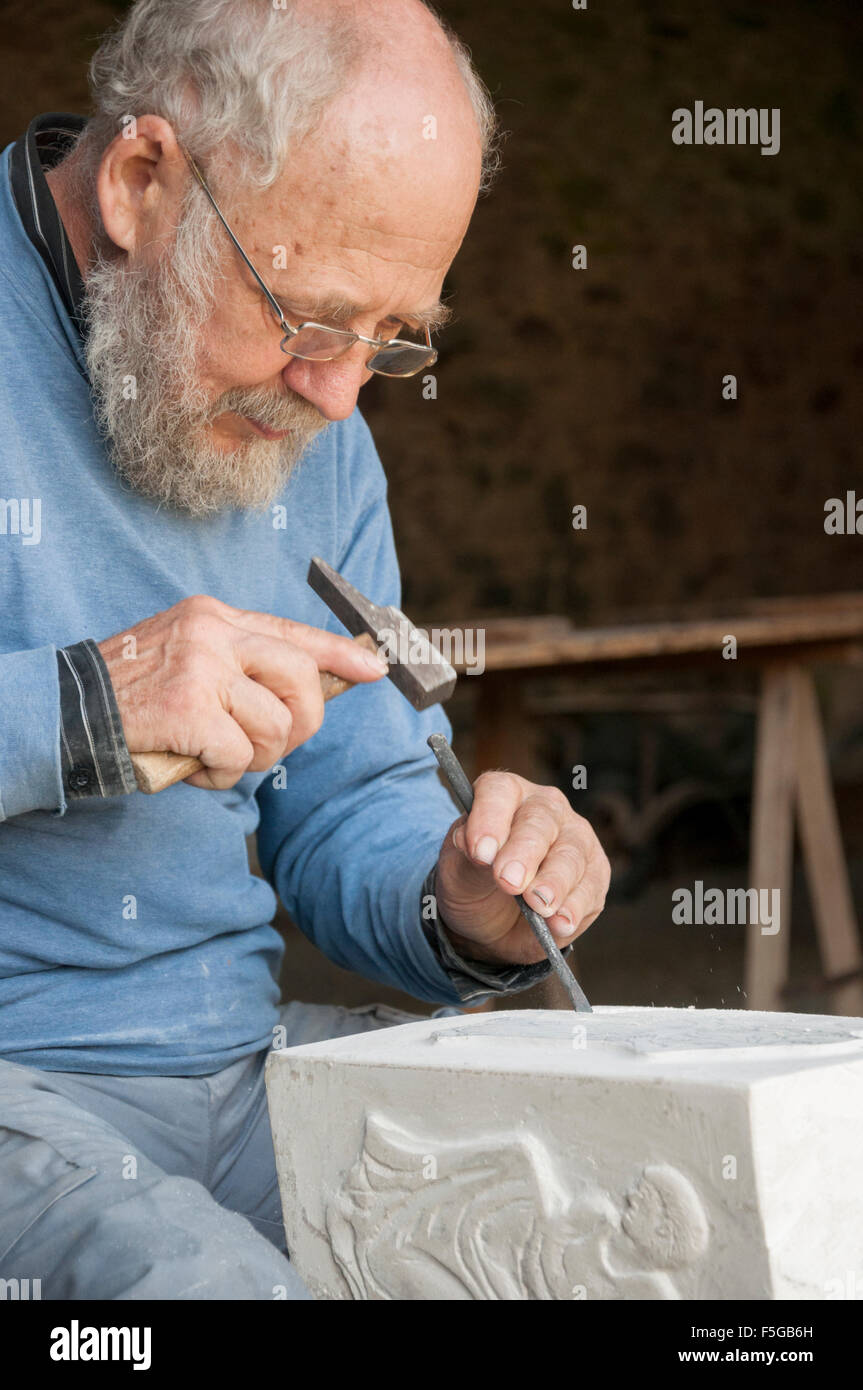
[196, 283]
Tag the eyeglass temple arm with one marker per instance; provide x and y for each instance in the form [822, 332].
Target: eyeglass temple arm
[218, 211]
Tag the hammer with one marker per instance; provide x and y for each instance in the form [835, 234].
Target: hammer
[416, 667]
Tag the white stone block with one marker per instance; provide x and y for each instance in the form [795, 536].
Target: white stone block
[628, 1153]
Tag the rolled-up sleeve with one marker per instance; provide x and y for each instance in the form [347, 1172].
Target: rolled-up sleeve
[95, 758]
[476, 981]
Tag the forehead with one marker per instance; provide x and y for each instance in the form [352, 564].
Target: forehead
[358, 216]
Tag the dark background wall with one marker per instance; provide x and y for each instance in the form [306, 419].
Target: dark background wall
[603, 386]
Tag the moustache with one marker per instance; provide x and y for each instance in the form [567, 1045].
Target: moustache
[288, 412]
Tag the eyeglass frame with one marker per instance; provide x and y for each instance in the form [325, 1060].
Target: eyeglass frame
[291, 332]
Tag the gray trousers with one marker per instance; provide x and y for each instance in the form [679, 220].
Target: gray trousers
[128, 1187]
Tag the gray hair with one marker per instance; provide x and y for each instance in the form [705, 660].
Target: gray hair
[240, 72]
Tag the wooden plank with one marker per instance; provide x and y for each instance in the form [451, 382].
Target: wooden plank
[772, 834]
[527, 650]
[821, 841]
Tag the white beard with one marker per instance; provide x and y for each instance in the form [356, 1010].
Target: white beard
[143, 331]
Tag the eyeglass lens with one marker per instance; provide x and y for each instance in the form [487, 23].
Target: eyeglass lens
[325, 344]
[401, 361]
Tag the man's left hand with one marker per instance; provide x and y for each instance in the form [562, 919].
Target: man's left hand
[518, 838]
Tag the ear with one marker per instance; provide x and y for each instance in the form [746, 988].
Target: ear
[140, 182]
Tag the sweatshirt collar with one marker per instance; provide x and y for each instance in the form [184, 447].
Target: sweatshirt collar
[49, 139]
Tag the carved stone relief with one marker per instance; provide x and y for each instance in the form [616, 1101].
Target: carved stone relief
[493, 1219]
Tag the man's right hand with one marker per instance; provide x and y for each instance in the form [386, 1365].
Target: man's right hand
[239, 690]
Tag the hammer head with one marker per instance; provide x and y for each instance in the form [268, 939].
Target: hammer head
[417, 668]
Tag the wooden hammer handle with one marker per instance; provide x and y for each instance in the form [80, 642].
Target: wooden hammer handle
[156, 771]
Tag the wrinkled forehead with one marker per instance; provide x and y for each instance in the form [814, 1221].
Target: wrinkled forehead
[393, 164]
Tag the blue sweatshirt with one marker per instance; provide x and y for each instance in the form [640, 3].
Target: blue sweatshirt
[133, 937]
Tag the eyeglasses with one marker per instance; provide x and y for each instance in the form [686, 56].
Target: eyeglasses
[314, 342]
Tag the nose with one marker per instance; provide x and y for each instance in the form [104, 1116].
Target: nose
[332, 387]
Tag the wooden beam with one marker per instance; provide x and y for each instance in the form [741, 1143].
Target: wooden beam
[530, 643]
[772, 834]
[821, 841]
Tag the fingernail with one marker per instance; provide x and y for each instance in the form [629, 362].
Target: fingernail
[375, 663]
[544, 894]
[458, 837]
[513, 874]
[563, 921]
[486, 850]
